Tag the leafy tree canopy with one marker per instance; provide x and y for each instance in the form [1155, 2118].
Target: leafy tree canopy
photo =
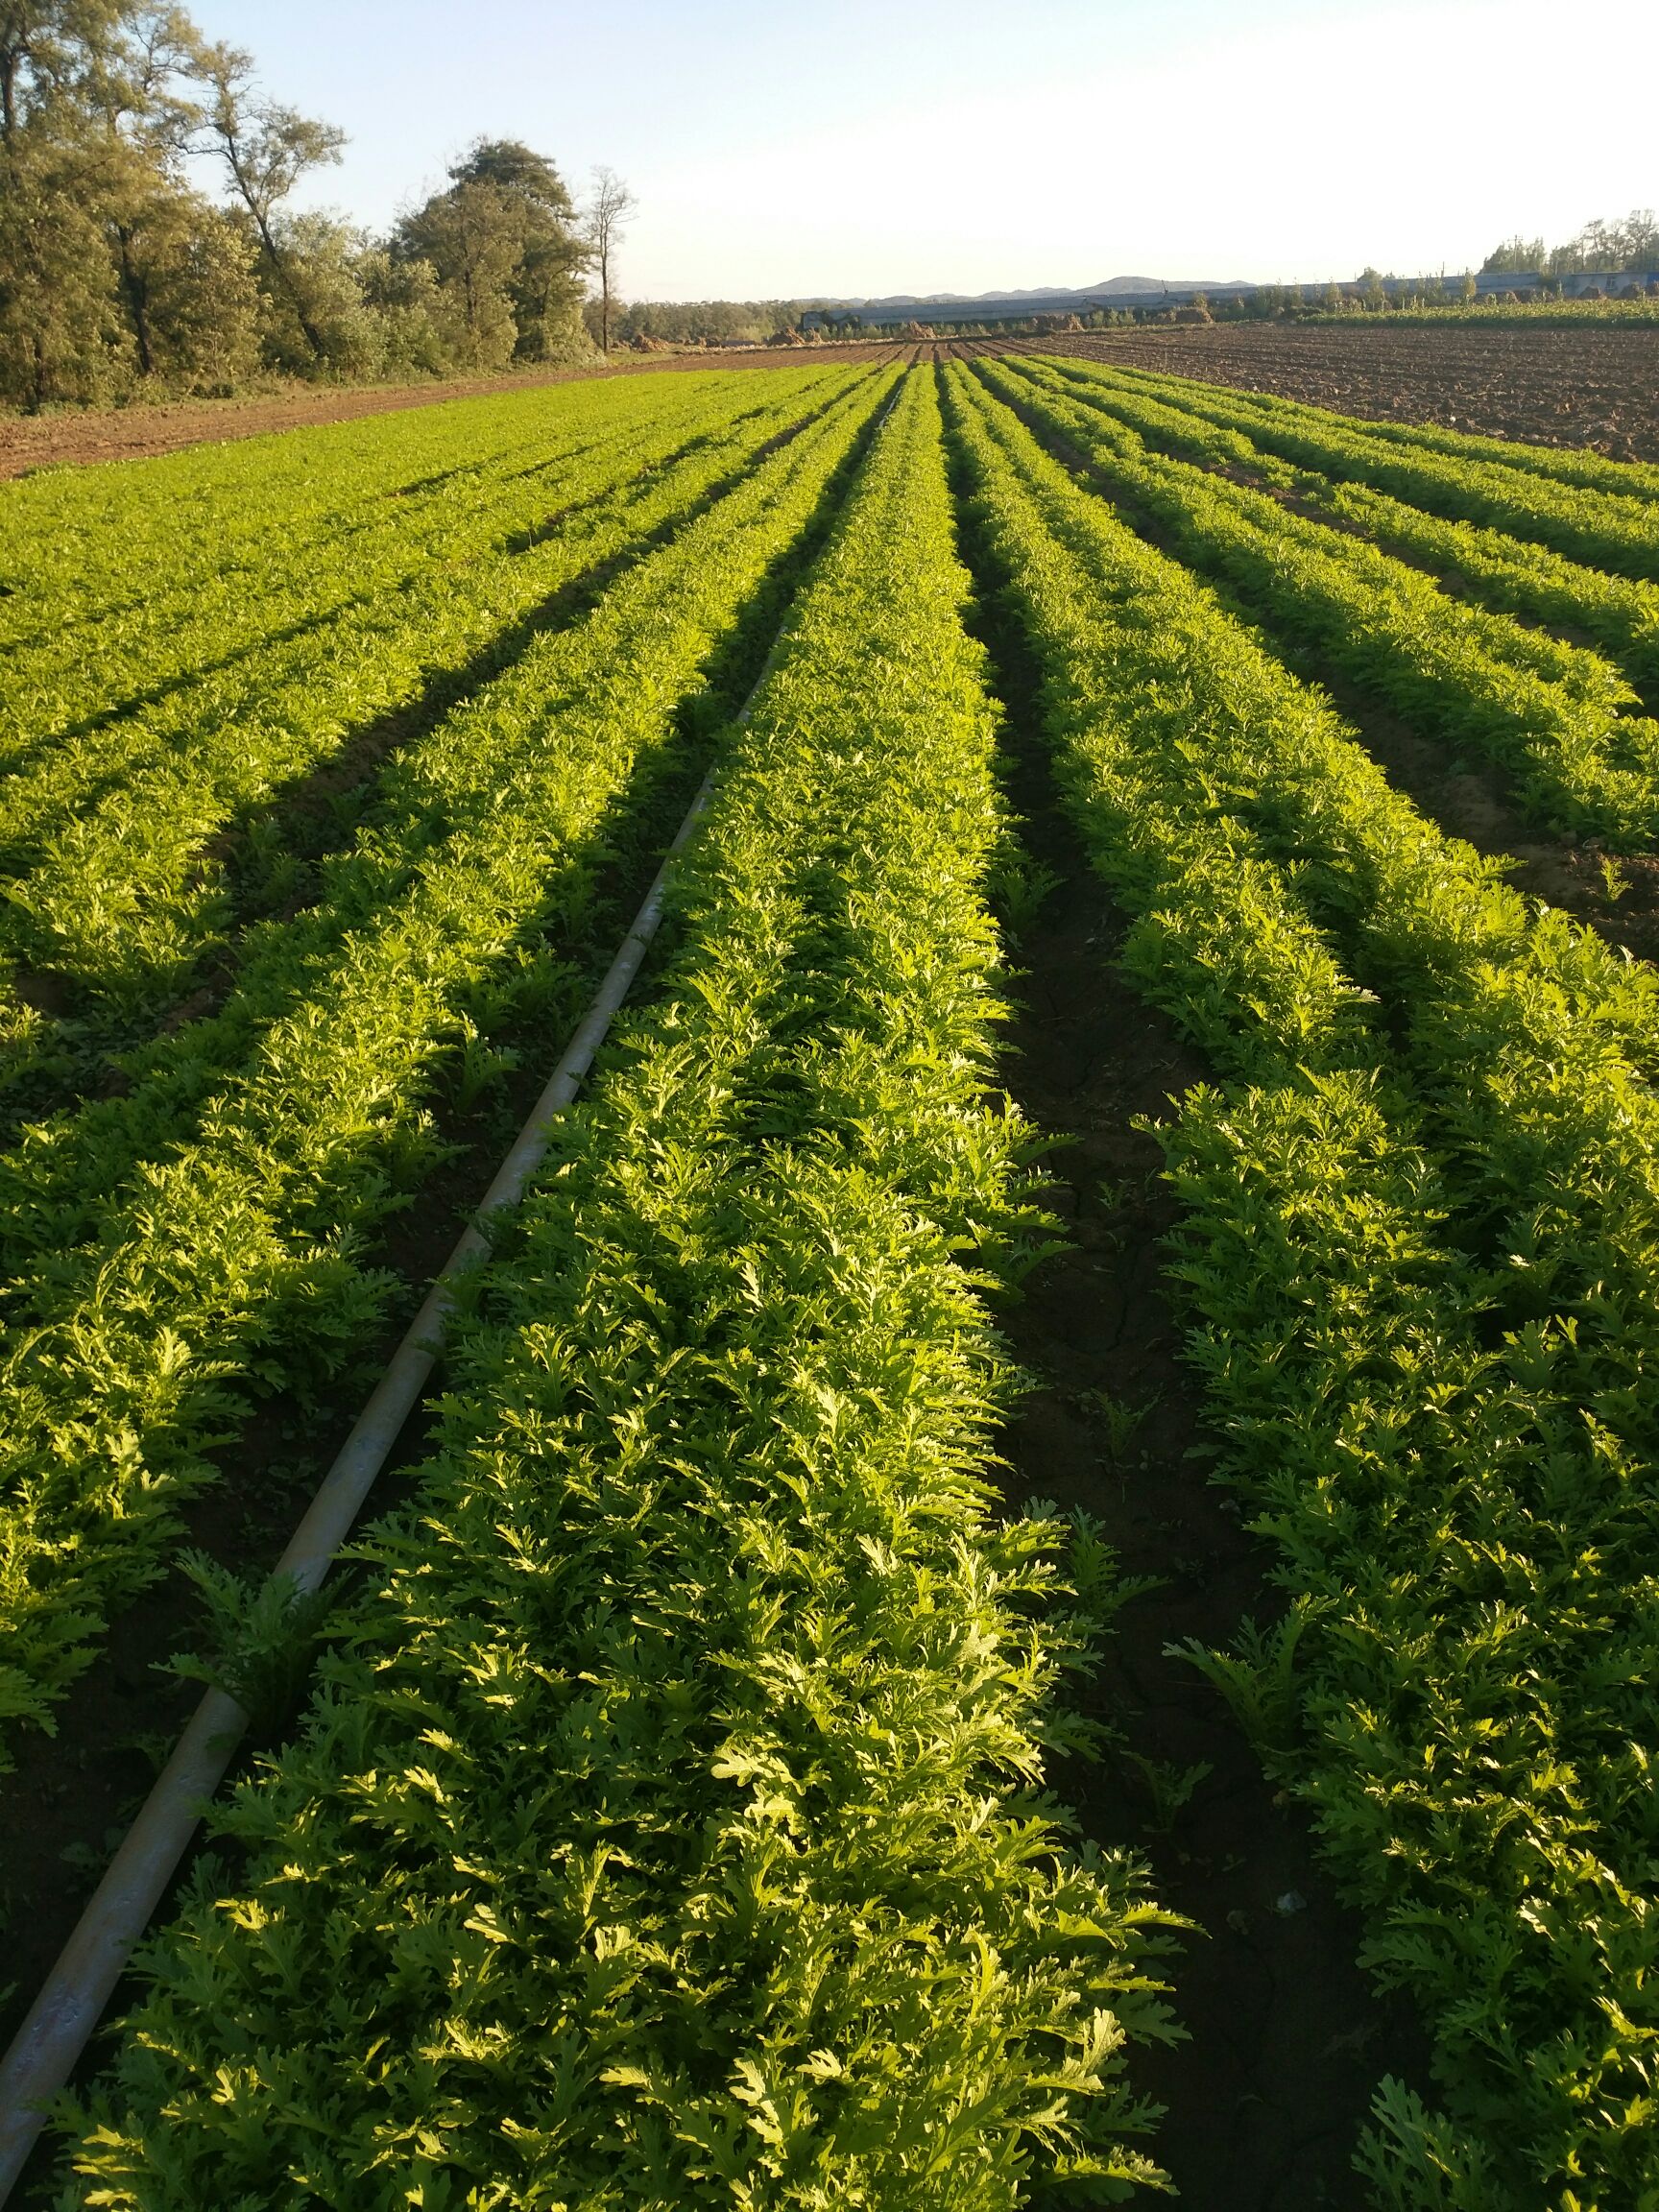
[119, 271]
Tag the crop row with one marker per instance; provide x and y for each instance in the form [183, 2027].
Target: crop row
[121, 899]
[669, 1826]
[1616, 528]
[150, 594]
[177, 1250]
[1562, 464]
[668, 1830]
[280, 570]
[236, 568]
[1421, 1215]
[184, 630]
[1511, 574]
[89, 549]
[1555, 717]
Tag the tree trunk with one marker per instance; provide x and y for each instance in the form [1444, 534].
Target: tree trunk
[133, 291]
[250, 200]
[313, 336]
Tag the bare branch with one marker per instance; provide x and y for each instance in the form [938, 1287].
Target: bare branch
[610, 206]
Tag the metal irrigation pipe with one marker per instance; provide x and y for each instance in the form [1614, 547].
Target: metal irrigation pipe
[48, 2046]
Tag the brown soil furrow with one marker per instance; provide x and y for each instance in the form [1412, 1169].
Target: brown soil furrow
[1268, 2098]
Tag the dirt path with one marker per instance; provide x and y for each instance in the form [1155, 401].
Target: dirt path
[74, 438]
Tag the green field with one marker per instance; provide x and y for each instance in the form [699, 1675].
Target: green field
[678, 1812]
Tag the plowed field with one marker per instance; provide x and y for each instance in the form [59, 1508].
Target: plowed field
[1578, 387]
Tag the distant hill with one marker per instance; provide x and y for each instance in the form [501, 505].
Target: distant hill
[1110, 284]
[1167, 284]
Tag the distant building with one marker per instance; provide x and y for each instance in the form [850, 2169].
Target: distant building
[1616, 283]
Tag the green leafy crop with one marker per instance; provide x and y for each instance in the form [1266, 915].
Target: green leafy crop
[672, 1828]
[668, 1823]
[1419, 1214]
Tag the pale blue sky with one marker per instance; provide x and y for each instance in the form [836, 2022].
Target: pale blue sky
[875, 146]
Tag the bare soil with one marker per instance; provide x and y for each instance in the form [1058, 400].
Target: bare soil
[71, 438]
[1596, 386]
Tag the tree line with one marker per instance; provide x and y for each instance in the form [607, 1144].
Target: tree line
[121, 276]
[1630, 247]
[711, 321]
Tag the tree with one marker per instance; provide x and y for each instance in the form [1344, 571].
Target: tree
[694, 321]
[116, 272]
[60, 332]
[143, 126]
[183, 277]
[1631, 245]
[473, 238]
[266, 148]
[1516, 256]
[91, 117]
[508, 255]
[609, 210]
[44, 45]
[513, 167]
[543, 287]
[402, 299]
